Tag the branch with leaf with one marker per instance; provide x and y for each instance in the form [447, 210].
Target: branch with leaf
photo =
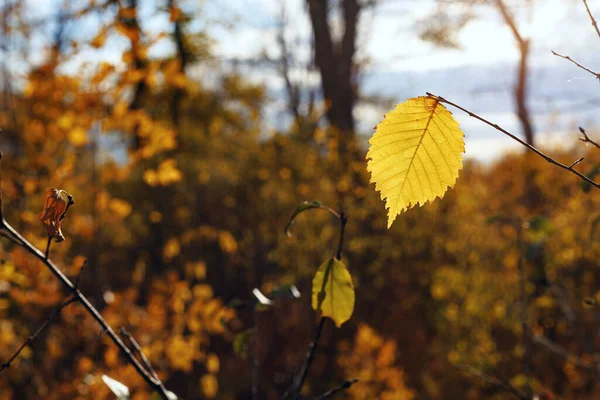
[57, 203]
[416, 153]
[332, 297]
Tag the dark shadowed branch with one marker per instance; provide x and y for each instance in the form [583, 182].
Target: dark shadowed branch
[566, 354]
[31, 338]
[154, 383]
[343, 386]
[295, 387]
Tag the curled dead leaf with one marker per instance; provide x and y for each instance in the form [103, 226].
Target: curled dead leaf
[55, 205]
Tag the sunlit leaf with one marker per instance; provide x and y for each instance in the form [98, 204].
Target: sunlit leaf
[333, 291]
[415, 154]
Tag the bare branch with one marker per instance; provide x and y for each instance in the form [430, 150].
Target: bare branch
[298, 381]
[525, 144]
[585, 138]
[596, 74]
[594, 23]
[337, 389]
[30, 339]
[145, 360]
[566, 354]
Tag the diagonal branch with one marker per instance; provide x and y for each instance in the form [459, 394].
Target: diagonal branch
[155, 384]
[343, 386]
[30, 339]
[586, 139]
[564, 353]
[525, 144]
[594, 23]
[145, 360]
[596, 74]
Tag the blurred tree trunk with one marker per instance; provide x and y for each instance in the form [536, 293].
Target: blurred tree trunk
[128, 17]
[521, 87]
[336, 62]
[182, 57]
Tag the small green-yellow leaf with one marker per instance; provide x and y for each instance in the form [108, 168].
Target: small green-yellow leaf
[333, 291]
[415, 154]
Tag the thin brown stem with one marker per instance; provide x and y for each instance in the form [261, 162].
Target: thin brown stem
[156, 385]
[586, 139]
[47, 252]
[30, 339]
[343, 221]
[145, 360]
[594, 23]
[343, 386]
[299, 379]
[515, 138]
[596, 74]
[566, 354]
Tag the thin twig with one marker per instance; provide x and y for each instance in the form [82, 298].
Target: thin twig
[299, 379]
[47, 252]
[585, 138]
[138, 349]
[574, 163]
[30, 339]
[525, 144]
[10, 238]
[592, 18]
[493, 381]
[343, 221]
[337, 389]
[295, 387]
[156, 385]
[80, 273]
[596, 74]
[566, 354]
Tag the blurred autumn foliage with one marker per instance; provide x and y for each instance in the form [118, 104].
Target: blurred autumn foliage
[182, 193]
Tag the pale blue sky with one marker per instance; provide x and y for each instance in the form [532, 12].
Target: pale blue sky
[479, 76]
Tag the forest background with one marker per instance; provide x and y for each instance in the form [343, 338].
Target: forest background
[189, 131]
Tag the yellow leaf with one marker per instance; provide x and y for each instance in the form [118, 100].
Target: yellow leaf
[168, 172]
[171, 249]
[150, 177]
[120, 208]
[415, 154]
[227, 242]
[78, 136]
[210, 386]
[212, 363]
[333, 291]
